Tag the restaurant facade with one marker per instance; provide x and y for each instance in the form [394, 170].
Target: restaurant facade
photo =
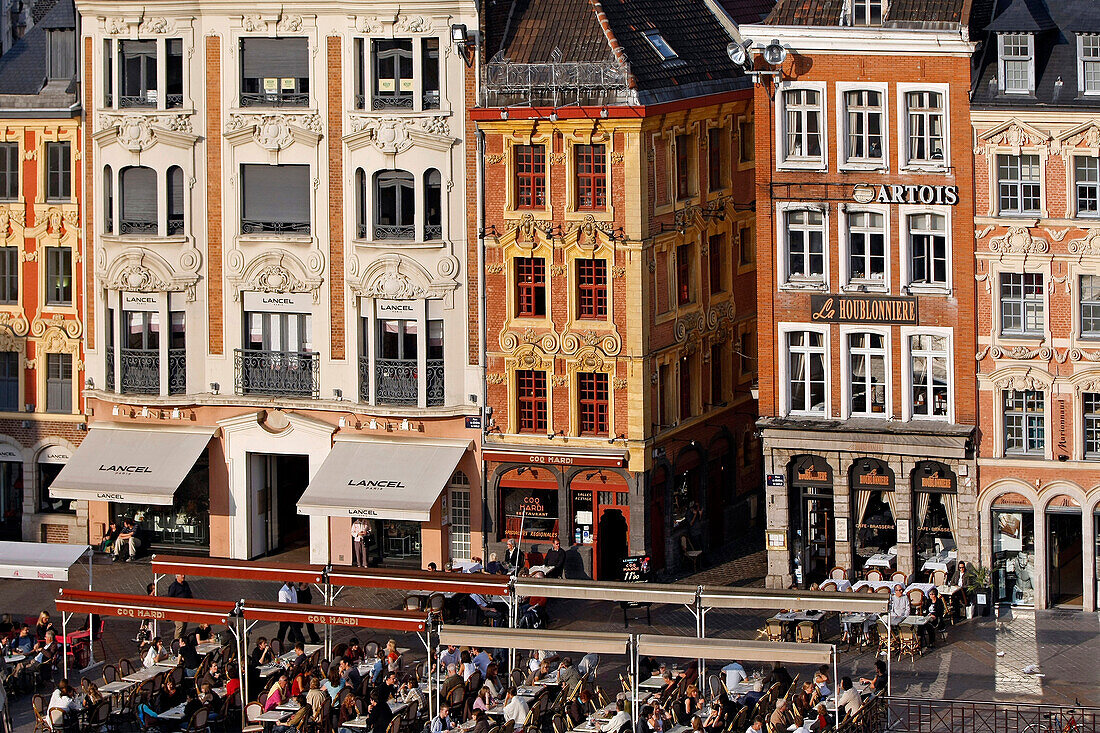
[866, 288]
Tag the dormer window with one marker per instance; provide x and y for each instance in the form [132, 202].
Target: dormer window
[1089, 67]
[867, 12]
[660, 45]
[62, 64]
[1017, 52]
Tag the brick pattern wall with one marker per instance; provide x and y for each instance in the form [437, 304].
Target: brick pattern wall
[336, 196]
[214, 282]
[58, 533]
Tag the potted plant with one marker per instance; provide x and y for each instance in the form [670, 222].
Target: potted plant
[979, 590]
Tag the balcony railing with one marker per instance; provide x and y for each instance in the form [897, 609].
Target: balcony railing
[283, 99]
[137, 226]
[389, 231]
[282, 373]
[141, 101]
[175, 225]
[430, 100]
[109, 353]
[177, 371]
[140, 371]
[396, 101]
[173, 101]
[397, 381]
[433, 232]
[264, 226]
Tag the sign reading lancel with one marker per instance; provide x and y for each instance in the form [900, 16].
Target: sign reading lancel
[125, 469]
[865, 193]
[368, 484]
[863, 309]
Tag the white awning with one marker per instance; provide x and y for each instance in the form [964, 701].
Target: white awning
[382, 479]
[129, 464]
[599, 642]
[690, 647]
[38, 560]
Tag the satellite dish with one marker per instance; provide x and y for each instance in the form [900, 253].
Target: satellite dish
[737, 53]
[774, 53]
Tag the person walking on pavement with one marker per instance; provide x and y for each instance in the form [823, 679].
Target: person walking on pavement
[180, 588]
[289, 629]
[305, 595]
[359, 542]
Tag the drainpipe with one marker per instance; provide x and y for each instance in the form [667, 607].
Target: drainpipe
[482, 330]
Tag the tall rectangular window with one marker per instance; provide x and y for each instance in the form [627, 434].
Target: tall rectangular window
[926, 127]
[716, 144]
[1015, 62]
[530, 287]
[803, 123]
[747, 353]
[1091, 406]
[746, 245]
[173, 73]
[864, 111]
[1024, 422]
[1022, 305]
[1019, 186]
[275, 199]
[591, 288]
[590, 166]
[1090, 306]
[866, 247]
[274, 72]
[59, 276]
[683, 274]
[806, 371]
[928, 375]
[59, 383]
[867, 373]
[687, 378]
[1086, 179]
[716, 261]
[1090, 63]
[866, 12]
[137, 68]
[429, 72]
[58, 171]
[592, 403]
[9, 171]
[9, 275]
[392, 63]
[9, 381]
[746, 141]
[531, 401]
[805, 245]
[717, 373]
[529, 162]
[684, 187]
[927, 249]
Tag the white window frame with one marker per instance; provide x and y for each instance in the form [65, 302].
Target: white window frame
[1030, 59]
[846, 372]
[844, 251]
[1081, 63]
[1072, 200]
[944, 90]
[784, 282]
[1023, 301]
[843, 160]
[907, 332]
[1078, 301]
[784, 328]
[904, 212]
[995, 179]
[1002, 447]
[783, 162]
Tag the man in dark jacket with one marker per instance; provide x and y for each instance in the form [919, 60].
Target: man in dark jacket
[555, 560]
[378, 714]
[180, 588]
[305, 595]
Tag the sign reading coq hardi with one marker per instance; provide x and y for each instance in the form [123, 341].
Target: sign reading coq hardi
[863, 309]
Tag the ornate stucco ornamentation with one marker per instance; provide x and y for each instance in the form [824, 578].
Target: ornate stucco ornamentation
[154, 25]
[253, 23]
[494, 378]
[274, 131]
[289, 23]
[398, 134]
[15, 323]
[135, 133]
[1089, 244]
[688, 325]
[413, 24]
[1013, 134]
[367, 24]
[1019, 240]
[276, 271]
[618, 384]
[68, 327]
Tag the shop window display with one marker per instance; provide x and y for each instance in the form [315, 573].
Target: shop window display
[1013, 531]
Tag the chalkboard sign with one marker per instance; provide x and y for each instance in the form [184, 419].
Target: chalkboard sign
[636, 569]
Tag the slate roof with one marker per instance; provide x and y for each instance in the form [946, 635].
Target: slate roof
[747, 11]
[23, 67]
[1055, 25]
[899, 13]
[612, 32]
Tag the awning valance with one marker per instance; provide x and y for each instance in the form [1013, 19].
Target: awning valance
[561, 641]
[210, 567]
[38, 560]
[690, 647]
[157, 608]
[800, 600]
[597, 591]
[130, 464]
[420, 580]
[382, 479]
[366, 618]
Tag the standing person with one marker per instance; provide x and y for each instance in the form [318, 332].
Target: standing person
[359, 542]
[305, 596]
[555, 560]
[180, 588]
[288, 593]
[513, 556]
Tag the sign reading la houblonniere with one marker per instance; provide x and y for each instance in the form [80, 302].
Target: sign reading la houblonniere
[892, 309]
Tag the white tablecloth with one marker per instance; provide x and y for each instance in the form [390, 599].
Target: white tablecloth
[874, 584]
[838, 583]
[922, 587]
[881, 560]
[941, 561]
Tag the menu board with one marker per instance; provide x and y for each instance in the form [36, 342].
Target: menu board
[636, 569]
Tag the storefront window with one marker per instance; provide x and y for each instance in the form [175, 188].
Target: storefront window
[1013, 529]
[530, 511]
[400, 540]
[11, 499]
[875, 503]
[811, 539]
[1064, 552]
[47, 472]
[935, 509]
[185, 523]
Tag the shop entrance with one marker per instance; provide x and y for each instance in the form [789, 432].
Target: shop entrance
[611, 544]
[11, 500]
[1064, 558]
[811, 540]
[275, 483]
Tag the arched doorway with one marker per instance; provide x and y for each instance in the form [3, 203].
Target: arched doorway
[596, 495]
[1013, 532]
[613, 532]
[935, 511]
[810, 525]
[1064, 546]
[876, 513]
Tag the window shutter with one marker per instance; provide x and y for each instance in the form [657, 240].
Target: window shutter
[139, 194]
[276, 192]
[275, 57]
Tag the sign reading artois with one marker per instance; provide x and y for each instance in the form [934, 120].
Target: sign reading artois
[863, 309]
[865, 193]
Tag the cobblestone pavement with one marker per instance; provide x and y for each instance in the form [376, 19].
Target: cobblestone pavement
[982, 658]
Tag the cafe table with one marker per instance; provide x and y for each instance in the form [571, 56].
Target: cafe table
[144, 674]
[175, 713]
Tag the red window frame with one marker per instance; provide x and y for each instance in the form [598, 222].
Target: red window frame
[683, 166]
[683, 274]
[592, 402]
[531, 401]
[590, 171]
[716, 248]
[530, 287]
[529, 162]
[591, 288]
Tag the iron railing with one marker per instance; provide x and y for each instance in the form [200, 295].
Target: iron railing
[173, 101]
[391, 231]
[142, 101]
[281, 99]
[177, 371]
[140, 371]
[109, 353]
[433, 232]
[430, 100]
[283, 373]
[395, 101]
[175, 224]
[436, 388]
[137, 226]
[265, 226]
[397, 381]
[915, 715]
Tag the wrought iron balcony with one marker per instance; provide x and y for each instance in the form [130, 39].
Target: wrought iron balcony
[282, 99]
[109, 353]
[430, 100]
[389, 231]
[282, 373]
[436, 386]
[140, 371]
[175, 225]
[177, 371]
[397, 381]
[173, 101]
[263, 226]
[432, 232]
[362, 231]
[137, 226]
[141, 101]
[394, 101]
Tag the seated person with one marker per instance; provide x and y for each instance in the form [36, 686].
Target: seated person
[878, 682]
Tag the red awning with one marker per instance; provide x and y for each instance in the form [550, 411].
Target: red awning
[367, 618]
[237, 570]
[421, 580]
[157, 608]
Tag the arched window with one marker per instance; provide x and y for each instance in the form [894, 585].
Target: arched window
[433, 206]
[175, 200]
[394, 205]
[108, 201]
[138, 201]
